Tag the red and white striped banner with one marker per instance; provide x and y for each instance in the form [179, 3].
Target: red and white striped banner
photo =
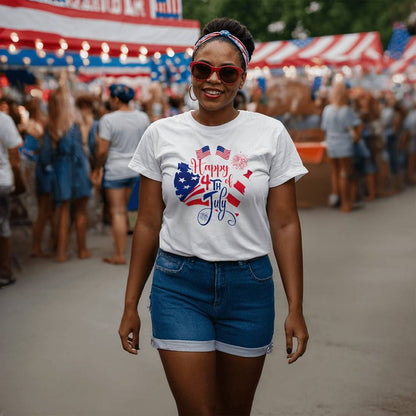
[121, 24]
[351, 49]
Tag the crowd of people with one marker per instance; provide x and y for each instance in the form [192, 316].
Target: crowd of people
[78, 145]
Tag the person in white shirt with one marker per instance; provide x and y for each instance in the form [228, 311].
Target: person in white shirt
[119, 133]
[10, 142]
[217, 196]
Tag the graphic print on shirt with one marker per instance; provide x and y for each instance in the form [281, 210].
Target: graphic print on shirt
[214, 182]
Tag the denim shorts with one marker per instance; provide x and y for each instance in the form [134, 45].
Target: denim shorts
[197, 305]
[119, 183]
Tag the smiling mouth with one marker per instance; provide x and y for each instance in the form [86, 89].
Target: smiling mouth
[213, 93]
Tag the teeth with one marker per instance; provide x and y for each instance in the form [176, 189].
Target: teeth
[213, 92]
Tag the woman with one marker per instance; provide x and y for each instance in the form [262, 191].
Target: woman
[341, 127]
[118, 136]
[40, 151]
[217, 194]
[72, 186]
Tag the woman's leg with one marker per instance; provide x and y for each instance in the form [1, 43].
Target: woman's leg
[191, 378]
[117, 200]
[334, 176]
[62, 232]
[345, 171]
[236, 382]
[44, 214]
[80, 215]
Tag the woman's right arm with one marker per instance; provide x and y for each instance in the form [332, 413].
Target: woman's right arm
[143, 253]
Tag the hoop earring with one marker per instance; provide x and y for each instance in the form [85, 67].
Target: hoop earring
[190, 95]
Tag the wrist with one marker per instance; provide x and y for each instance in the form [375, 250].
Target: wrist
[296, 308]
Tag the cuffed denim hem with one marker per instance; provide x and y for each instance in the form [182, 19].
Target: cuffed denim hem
[208, 346]
[181, 345]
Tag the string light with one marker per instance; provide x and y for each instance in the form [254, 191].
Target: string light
[63, 44]
[157, 55]
[12, 48]
[60, 53]
[105, 57]
[86, 62]
[38, 44]
[26, 60]
[41, 53]
[124, 49]
[105, 47]
[14, 37]
[3, 59]
[143, 50]
[123, 57]
[86, 46]
[170, 52]
[143, 59]
[69, 60]
[83, 54]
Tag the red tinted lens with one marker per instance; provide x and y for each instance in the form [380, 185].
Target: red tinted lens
[229, 74]
[200, 70]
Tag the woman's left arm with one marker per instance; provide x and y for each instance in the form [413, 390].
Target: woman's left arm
[287, 247]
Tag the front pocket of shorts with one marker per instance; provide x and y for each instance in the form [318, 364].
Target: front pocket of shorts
[261, 269]
[169, 263]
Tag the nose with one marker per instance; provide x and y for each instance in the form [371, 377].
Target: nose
[214, 77]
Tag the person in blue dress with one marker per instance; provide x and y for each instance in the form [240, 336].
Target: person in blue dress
[72, 186]
[37, 149]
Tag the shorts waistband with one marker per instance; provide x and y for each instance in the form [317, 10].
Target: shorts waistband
[193, 259]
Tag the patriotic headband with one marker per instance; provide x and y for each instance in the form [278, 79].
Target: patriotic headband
[226, 34]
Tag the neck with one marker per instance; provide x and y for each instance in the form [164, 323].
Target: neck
[215, 118]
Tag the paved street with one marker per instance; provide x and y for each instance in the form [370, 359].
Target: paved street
[60, 352]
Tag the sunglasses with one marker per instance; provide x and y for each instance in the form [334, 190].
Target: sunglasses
[228, 74]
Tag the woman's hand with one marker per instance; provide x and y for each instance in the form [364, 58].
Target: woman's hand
[295, 327]
[97, 177]
[130, 324]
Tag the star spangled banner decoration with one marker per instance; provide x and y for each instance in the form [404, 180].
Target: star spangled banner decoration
[203, 152]
[223, 152]
[187, 185]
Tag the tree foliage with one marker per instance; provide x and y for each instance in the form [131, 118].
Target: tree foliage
[333, 17]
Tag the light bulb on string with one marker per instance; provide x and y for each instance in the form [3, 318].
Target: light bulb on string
[143, 50]
[170, 52]
[105, 47]
[83, 54]
[14, 37]
[38, 44]
[124, 49]
[26, 60]
[41, 53]
[86, 46]
[12, 49]
[105, 57]
[63, 44]
[60, 53]
[123, 57]
[157, 55]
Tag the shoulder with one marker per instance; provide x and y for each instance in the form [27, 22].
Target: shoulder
[258, 120]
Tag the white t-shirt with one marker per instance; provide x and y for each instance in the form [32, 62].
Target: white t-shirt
[9, 138]
[123, 129]
[215, 182]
